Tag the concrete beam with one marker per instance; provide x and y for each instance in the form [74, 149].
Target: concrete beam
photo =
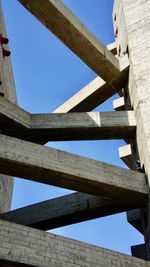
[112, 48]
[71, 126]
[88, 98]
[50, 166]
[12, 116]
[65, 210]
[24, 245]
[126, 155]
[119, 104]
[135, 219]
[83, 126]
[7, 88]
[63, 23]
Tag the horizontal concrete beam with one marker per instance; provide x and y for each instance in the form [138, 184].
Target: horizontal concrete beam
[24, 245]
[50, 166]
[71, 126]
[63, 23]
[83, 126]
[65, 210]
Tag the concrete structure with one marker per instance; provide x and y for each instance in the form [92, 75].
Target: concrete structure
[7, 87]
[112, 189]
[133, 20]
[23, 245]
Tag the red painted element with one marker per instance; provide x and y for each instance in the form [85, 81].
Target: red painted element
[1, 94]
[3, 40]
[5, 52]
[116, 32]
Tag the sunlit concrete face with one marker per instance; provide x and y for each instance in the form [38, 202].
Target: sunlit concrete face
[132, 28]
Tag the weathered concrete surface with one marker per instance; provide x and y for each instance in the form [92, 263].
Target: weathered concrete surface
[69, 209]
[133, 20]
[88, 98]
[31, 161]
[83, 126]
[8, 88]
[92, 95]
[139, 80]
[62, 22]
[119, 104]
[20, 244]
[126, 154]
[112, 48]
[12, 116]
[65, 126]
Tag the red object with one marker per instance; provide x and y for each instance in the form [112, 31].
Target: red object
[3, 40]
[5, 52]
[116, 33]
[1, 94]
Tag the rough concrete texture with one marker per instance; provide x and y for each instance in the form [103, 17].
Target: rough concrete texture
[37, 248]
[134, 17]
[62, 22]
[8, 88]
[59, 168]
[137, 20]
[17, 122]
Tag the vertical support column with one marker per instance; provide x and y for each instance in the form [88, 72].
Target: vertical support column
[136, 24]
[7, 89]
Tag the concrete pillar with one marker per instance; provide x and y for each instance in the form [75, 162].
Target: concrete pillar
[132, 28]
[8, 89]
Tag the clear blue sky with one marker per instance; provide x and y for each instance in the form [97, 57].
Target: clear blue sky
[46, 74]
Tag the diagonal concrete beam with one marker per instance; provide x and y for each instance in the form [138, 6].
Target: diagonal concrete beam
[69, 209]
[21, 245]
[68, 126]
[88, 98]
[64, 24]
[12, 116]
[46, 165]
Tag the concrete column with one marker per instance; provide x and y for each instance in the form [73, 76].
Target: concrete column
[8, 89]
[132, 17]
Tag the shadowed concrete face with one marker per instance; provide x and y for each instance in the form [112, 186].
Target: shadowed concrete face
[59, 168]
[7, 88]
[69, 209]
[65, 126]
